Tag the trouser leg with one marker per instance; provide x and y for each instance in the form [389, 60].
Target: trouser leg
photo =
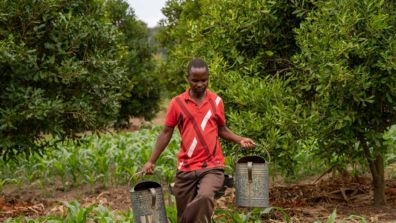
[194, 192]
[184, 190]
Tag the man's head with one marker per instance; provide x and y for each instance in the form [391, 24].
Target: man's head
[195, 64]
[198, 76]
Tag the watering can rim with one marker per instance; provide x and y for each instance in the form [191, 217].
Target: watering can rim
[154, 185]
[251, 156]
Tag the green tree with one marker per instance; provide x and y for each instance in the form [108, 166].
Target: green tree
[347, 72]
[255, 38]
[141, 96]
[63, 67]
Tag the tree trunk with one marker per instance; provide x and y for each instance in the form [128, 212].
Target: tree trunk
[377, 170]
[379, 181]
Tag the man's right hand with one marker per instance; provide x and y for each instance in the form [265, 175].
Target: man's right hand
[148, 168]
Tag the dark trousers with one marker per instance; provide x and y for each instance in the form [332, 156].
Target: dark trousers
[194, 192]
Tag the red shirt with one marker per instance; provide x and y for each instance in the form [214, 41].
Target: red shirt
[208, 116]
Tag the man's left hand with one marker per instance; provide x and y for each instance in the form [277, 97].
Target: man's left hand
[247, 143]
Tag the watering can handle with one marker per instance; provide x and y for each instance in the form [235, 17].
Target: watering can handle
[250, 166]
[138, 176]
[153, 197]
[135, 177]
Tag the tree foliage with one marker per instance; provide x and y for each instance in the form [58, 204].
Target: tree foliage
[63, 67]
[255, 38]
[141, 96]
[348, 65]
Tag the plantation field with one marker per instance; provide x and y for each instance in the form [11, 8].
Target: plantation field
[90, 182]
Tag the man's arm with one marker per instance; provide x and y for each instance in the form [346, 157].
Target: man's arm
[227, 134]
[162, 141]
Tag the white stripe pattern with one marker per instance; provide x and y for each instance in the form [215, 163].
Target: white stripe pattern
[218, 99]
[206, 119]
[180, 165]
[192, 147]
[203, 125]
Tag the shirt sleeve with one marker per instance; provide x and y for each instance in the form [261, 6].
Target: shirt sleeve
[171, 114]
[221, 121]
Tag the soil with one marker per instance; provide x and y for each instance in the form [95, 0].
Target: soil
[304, 202]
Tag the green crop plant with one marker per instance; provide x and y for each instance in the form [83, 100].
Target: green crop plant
[60, 167]
[171, 213]
[228, 214]
[79, 214]
[91, 178]
[6, 181]
[285, 215]
[236, 216]
[48, 168]
[332, 218]
[111, 158]
[167, 162]
[102, 162]
[76, 213]
[103, 215]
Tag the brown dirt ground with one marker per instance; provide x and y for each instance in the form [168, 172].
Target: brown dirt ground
[306, 202]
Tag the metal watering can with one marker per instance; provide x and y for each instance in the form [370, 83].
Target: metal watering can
[148, 204]
[252, 182]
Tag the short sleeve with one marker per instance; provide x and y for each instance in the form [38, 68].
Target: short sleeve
[221, 121]
[171, 114]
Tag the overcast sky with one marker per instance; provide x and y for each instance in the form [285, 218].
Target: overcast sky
[149, 11]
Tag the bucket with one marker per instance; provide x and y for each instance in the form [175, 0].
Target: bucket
[148, 204]
[252, 182]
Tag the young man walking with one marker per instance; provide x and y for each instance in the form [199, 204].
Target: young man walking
[199, 115]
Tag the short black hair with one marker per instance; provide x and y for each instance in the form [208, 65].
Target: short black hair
[197, 63]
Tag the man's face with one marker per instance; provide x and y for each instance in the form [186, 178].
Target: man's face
[198, 80]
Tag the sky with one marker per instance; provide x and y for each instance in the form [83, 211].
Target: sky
[149, 11]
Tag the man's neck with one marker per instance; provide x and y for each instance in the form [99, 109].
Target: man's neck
[197, 98]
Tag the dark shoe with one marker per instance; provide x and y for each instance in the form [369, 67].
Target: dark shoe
[228, 181]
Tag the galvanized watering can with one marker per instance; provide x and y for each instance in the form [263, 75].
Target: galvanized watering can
[252, 182]
[148, 204]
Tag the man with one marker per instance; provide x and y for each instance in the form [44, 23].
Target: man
[199, 115]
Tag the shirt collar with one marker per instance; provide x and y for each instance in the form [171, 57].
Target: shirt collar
[186, 95]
